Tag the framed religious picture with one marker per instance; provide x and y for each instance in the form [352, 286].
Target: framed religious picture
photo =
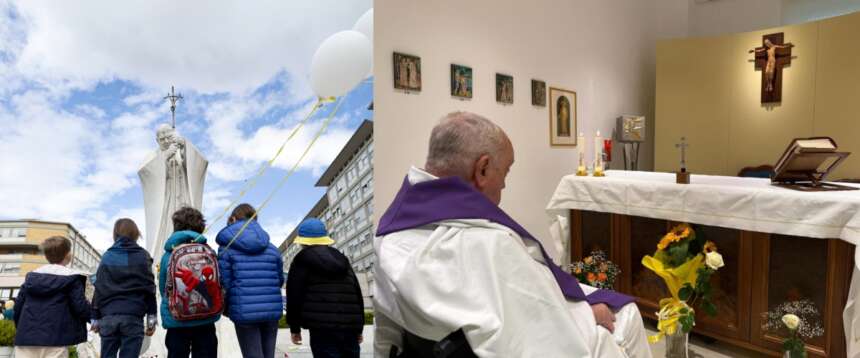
[562, 117]
[407, 72]
[538, 93]
[461, 81]
[504, 89]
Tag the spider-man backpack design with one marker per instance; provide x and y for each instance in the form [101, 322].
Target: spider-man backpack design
[194, 283]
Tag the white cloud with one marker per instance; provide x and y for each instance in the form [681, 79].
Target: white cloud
[278, 228]
[98, 226]
[208, 47]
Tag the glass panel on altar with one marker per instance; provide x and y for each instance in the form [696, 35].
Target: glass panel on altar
[798, 271]
[645, 233]
[596, 232]
[724, 283]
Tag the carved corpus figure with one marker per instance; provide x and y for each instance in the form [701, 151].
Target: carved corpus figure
[771, 58]
[770, 67]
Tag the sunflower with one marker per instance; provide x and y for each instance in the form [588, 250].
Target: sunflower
[678, 233]
[710, 246]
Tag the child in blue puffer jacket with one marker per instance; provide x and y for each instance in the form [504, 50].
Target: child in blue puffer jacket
[252, 275]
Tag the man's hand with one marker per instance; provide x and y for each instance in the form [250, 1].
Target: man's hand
[604, 316]
[297, 338]
[360, 339]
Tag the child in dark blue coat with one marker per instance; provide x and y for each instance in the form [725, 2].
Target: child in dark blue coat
[124, 294]
[252, 275]
[51, 312]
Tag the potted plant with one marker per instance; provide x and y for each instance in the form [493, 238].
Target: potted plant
[685, 262]
[7, 338]
[596, 271]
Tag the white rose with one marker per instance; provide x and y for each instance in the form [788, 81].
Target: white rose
[791, 321]
[714, 260]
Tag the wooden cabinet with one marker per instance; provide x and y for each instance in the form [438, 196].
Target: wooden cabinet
[761, 271]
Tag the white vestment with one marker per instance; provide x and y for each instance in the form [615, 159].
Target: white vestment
[167, 188]
[482, 277]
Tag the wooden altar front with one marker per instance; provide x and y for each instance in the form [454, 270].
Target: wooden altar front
[761, 271]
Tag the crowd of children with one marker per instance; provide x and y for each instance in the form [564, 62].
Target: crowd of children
[242, 281]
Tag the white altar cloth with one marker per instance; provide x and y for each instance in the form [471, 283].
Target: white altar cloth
[749, 204]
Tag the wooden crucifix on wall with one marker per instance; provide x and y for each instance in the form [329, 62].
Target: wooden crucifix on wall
[770, 58]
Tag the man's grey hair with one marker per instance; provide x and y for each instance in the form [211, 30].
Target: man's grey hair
[459, 140]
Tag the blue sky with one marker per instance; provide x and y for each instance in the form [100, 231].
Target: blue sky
[81, 88]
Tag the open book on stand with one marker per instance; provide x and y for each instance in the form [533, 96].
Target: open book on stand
[807, 162]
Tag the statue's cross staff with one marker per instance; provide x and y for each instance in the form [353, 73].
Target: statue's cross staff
[173, 97]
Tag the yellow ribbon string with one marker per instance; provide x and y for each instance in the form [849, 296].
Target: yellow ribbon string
[252, 182]
[670, 313]
[289, 174]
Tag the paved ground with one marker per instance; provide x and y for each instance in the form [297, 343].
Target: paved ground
[286, 348]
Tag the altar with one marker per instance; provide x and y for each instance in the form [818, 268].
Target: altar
[778, 244]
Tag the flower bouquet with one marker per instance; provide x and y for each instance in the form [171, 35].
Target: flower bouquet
[685, 262]
[800, 319]
[596, 270]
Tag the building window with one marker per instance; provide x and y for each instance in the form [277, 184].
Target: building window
[19, 232]
[10, 267]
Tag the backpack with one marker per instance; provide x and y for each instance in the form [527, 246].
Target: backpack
[194, 283]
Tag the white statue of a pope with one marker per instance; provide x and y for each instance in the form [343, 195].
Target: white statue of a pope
[172, 177]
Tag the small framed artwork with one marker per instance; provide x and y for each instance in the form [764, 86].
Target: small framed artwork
[562, 117]
[538, 93]
[407, 72]
[504, 89]
[461, 81]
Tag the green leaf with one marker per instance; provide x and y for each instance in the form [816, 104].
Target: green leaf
[709, 308]
[685, 292]
[678, 253]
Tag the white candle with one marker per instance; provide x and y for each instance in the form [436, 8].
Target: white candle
[598, 148]
[580, 149]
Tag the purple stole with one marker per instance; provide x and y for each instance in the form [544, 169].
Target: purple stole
[452, 198]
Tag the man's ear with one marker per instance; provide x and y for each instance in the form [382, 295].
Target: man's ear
[480, 171]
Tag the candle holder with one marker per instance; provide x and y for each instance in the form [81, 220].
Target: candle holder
[598, 169]
[581, 171]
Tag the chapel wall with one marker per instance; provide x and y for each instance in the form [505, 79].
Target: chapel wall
[709, 92]
[602, 50]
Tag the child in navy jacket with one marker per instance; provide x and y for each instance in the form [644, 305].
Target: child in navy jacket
[51, 312]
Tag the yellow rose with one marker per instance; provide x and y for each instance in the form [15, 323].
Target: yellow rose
[791, 321]
[588, 260]
[714, 260]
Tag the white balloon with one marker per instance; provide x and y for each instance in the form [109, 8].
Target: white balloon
[364, 25]
[341, 62]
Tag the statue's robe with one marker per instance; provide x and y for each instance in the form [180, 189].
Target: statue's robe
[166, 189]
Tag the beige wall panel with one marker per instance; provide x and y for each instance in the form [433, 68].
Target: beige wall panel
[821, 89]
[692, 102]
[759, 133]
[838, 89]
